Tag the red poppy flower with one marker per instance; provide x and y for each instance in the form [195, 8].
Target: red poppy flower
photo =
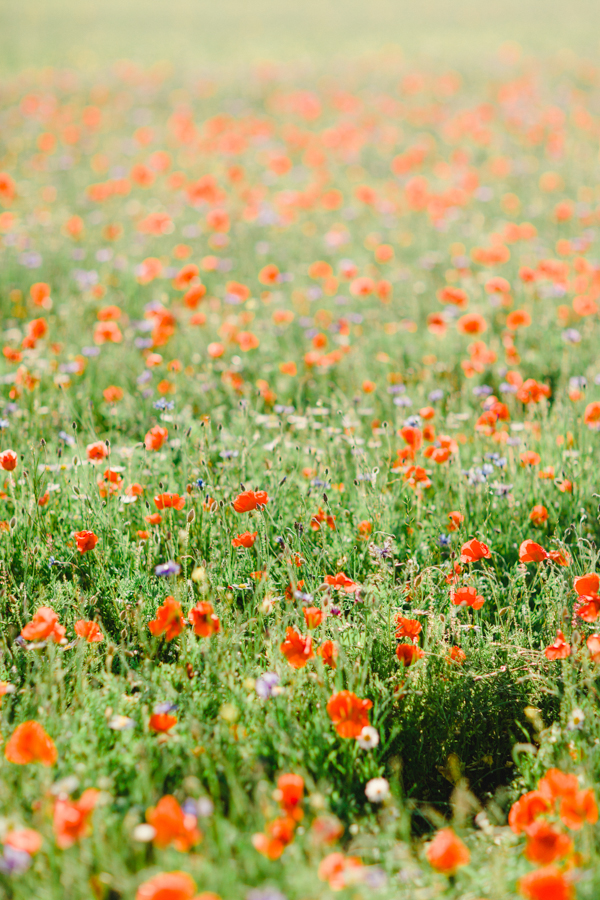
[172, 825]
[467, 596]
[559, 649]
[169, 501]
[167, 886]
[342, 582]
[578, 808]
[526, 810]
[545, 844]
[246, 539]
[161, 722]
[408, 653]
[44, 626]
[348, 713]
[169, 620]
[71, 820]
[248, 501]
[529, 551]
[410, 628]
[88, 630]
[539, 515]
[203, 619]
[156, 437]
[474, 550]
[297, 648]
[97, 451]
[547, 883]
[290, 790]
[85, 540]
[8, 460]
[328, 652]
[447, 853]
[30, 743]
[456, 520]
[313, 616]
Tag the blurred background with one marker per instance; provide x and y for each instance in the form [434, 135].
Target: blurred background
[191, 33]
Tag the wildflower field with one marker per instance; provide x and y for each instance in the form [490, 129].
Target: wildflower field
[299, 500]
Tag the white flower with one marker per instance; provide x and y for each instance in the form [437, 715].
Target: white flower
[144, 833]
[576, 719]
[368, 738]
[377, 790]
[119, 723]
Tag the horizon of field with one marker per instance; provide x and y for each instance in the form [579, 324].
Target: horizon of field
[194, 33]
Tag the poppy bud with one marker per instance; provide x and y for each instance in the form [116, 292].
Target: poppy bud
[191, 516]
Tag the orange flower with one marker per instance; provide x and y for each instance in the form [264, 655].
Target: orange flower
[408, 653]
[97, 451]
[526, 810]
[328, 652]
[539, 515]
[25, 839]
[531, 391]
[545, 844]
[529, 551]
[44, 626]
[89, 630]
[85, 540]
[156, 437]
[169, 501]
[467, 596]
[340, 871]
[456, 520]
[560, 557]
[169, 619]
[342, 582]
[322, 516]
[172, 825]
[313, 616]
[556, 785]
[348, 713]
[519, 318]
[548, 883]
[579, 807]
[248, 501]
[279, 834]
[8, 460]
[453, 295]
[593, 645]
[203, 619]
[246, 539]
[161, 722]
[474, 550]
[30, 743]
[591, 415]
[409, 628]
[472, 323]
[587, 584]
[456, 655]
[71, 818]
[559, 649]
[112, 394]
[167, 886]
[530, 458]
[297, 648]
[107, 333]
[446, 853]
[290, 790]
[364, 529]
